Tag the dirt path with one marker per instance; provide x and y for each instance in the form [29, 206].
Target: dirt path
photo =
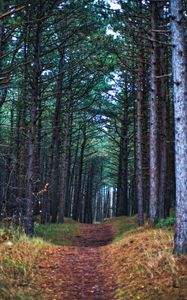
[78, 273]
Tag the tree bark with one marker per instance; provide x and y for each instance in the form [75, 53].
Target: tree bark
[122, 190]
[57, 119]
[139, 135]
[88, 215]
[36, 72]
[164, 121]
[139, 142]
[180, 115]
[77, 207]
[154, 168]
[65, 160]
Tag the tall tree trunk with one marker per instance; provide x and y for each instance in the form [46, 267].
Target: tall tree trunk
[77, 207]
[65, 160]
[21, 155]
[46, 209]
[163, 132]
[139, 142]
[29, 224]
[154, 167]
[139, 135]
[122, 191]
[88, 216]
[163, 115]
[180, 114]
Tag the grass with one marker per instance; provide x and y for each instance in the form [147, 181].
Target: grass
[17, 268]
[122, 225]
[140, 260]
[19, 256]
[142, 263]
[57, 234]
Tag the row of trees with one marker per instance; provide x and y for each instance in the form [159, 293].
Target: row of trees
[87, 111]
[157, 28]
[51, 162]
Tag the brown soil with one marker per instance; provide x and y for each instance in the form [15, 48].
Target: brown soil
[78, 272]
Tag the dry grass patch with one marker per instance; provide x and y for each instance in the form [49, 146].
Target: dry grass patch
[144, 267]
[18, 267]
[20, 256]
[122, 225]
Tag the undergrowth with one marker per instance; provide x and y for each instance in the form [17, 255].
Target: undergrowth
[19, 254]
[140, 260]
[168, 222]
[122, 225]
[58, 234]
[142, 263]
[17, 268]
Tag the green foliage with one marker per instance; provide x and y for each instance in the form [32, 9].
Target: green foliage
[13, 233]
[58, 234]
[170, 221]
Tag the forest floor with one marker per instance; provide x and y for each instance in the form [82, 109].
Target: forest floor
[111, 261]
[114, 260]
[78, 272]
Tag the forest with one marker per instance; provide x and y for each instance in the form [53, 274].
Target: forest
[93, 147]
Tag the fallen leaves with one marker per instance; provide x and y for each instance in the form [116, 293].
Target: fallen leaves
[139, 266]
[72, 273]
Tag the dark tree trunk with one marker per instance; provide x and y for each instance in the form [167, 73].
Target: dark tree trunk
[88, 216]
[139, 134]
[122, 189]
[65, 161]
[53, 149]
[165, 145]
[163, 115]
[139, 143]
[36, 72]
[77, 207]
[154, 166]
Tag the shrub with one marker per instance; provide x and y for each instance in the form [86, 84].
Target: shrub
[170, 221]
